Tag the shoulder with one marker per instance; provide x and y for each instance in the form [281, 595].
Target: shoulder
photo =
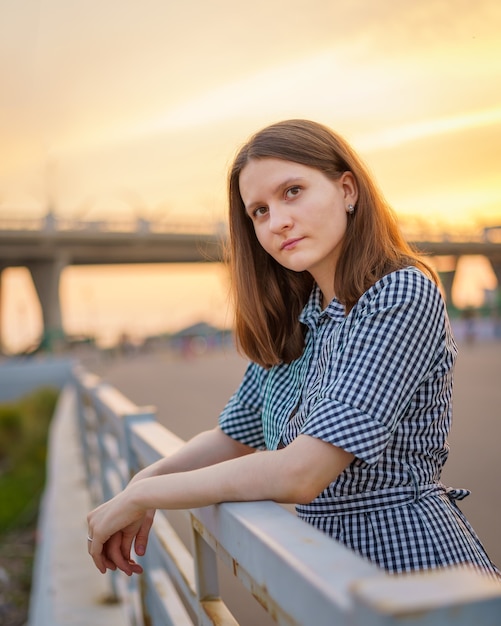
[253, 381]
[408, 285]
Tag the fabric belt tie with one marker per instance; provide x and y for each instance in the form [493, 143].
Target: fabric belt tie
[376, 500]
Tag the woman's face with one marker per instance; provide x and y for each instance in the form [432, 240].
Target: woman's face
[299, 215]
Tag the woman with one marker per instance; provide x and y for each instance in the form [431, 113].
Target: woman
[345, 407]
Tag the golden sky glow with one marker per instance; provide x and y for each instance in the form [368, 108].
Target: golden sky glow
[127, 107]
[120, 108]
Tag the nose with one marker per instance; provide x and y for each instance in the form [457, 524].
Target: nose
[279, 219]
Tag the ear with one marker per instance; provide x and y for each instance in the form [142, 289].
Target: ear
[349, 187]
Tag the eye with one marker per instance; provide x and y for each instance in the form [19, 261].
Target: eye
[292, 192]
[260, 211]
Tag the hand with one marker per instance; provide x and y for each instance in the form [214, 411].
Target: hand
[115, 555]
[118, 548]
[113, 527]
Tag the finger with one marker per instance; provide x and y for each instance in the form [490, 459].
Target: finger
[126, 543]
[135, 567]
[117, 554]
[106, 561]
[92, 549]
[141, 542]
[100, 559]
[125, 548]
[96, 552]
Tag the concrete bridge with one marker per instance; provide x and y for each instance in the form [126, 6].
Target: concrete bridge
[47, 245]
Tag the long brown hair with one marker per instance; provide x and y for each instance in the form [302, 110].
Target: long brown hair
[268, 298]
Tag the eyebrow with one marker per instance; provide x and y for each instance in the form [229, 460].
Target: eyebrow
[288, 181]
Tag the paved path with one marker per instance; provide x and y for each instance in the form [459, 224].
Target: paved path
[475, 460]
[67, 589]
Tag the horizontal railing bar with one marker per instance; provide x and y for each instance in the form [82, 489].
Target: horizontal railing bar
[151, 441]
[167, 604]
[263, 537]
[116, 403]
[419, 592]
[217, 613]
[110, 399]
[84, 379]
[176, 557]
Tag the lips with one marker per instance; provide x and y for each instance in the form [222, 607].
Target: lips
[289, 244]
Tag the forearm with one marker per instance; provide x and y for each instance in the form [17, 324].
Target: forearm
[220, 482]
[294, 474]
[206, 448]
[287, 476]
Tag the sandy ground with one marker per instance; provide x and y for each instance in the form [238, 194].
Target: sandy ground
[189, 393]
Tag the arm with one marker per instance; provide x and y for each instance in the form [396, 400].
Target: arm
[395, 341]
[207, 448]
[297, 473]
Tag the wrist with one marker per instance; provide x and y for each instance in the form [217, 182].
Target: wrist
[134, 493]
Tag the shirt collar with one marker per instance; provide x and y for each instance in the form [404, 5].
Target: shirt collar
[312, 312]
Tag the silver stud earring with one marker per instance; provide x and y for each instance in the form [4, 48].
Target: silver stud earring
[350, 209]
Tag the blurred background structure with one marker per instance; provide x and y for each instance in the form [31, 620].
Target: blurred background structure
[46, 247]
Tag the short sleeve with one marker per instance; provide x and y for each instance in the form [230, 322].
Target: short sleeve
[241, 417]
[391, 344]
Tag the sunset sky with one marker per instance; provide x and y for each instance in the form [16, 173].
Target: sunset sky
[118, 108]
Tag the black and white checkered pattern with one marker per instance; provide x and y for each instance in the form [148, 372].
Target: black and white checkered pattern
[377, 383]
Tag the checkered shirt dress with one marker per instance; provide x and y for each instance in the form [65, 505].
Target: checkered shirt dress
[377, 383]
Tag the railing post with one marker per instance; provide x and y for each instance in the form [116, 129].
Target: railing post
[145, 414]
[206, 566]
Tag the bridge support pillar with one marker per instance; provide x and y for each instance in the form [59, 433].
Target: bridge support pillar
[446, 268]
[447, 279]
[496, 266]
[2, 267]
[46, 276]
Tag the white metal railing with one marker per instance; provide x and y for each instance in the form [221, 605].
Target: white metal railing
[299, 575]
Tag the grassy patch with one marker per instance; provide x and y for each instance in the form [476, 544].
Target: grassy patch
[23, 449]
[24, 427]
